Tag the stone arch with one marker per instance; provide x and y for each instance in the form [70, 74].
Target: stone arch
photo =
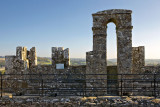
[111, 20]
[96, 59]
[122, 19]
[111, 41]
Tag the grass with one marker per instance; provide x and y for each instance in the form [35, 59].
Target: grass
[2, 71]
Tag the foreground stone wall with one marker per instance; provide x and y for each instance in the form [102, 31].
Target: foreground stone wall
[56, 79]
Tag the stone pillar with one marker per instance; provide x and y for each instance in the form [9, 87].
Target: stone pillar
[54, 56]
[124, 57]
[60, 54]
[24, 53]
[19, 51]
[32, 57]
[138, 59]
[66, 57]
[99, 49]
[124, 49]
[96, 63]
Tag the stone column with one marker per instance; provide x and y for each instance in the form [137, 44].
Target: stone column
[138, 59]
[124, 49]
[32, 57]
[96, 63]
[19, 50]
[54, 56]
[66, 57]
[99, 49]
[124, 58]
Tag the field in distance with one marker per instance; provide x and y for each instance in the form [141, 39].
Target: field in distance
[81, 61]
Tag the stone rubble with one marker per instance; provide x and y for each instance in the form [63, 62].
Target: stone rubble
[103, 101]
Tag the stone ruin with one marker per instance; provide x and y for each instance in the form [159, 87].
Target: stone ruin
[130, 60]
[24, 59]
[60, 56]
[138, 59]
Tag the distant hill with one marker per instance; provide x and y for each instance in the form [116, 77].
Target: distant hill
[43, 60]
[2, 62]
[77, 61]
[151, 62]
[148, 62]
[73, 61]
[82, 61]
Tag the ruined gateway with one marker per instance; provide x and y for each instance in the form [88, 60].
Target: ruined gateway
[129, 59]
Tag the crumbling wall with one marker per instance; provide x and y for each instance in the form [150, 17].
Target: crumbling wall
[138, 59]
[22, 61]
[13, 64]
[60, 56]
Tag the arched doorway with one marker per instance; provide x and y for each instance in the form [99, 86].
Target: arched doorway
[111, 47]
[111, 44]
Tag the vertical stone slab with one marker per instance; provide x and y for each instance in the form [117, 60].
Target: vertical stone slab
[60, 54]
[124, 49]
[19, 51]
[54, 56]
[32, 57]
[24, 53]
[9, 64]
[138, 59]
[66, 57]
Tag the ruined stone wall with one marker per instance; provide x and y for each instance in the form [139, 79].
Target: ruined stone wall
[13, 64]
[60, 56]
[22, 61]
[138, 59]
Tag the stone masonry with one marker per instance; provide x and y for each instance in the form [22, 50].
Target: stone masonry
[97, 58]
[60, 56]
[24, 59]
[129, 60]
[138, 59]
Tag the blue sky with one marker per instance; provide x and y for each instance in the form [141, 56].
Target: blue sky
[67, 23]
